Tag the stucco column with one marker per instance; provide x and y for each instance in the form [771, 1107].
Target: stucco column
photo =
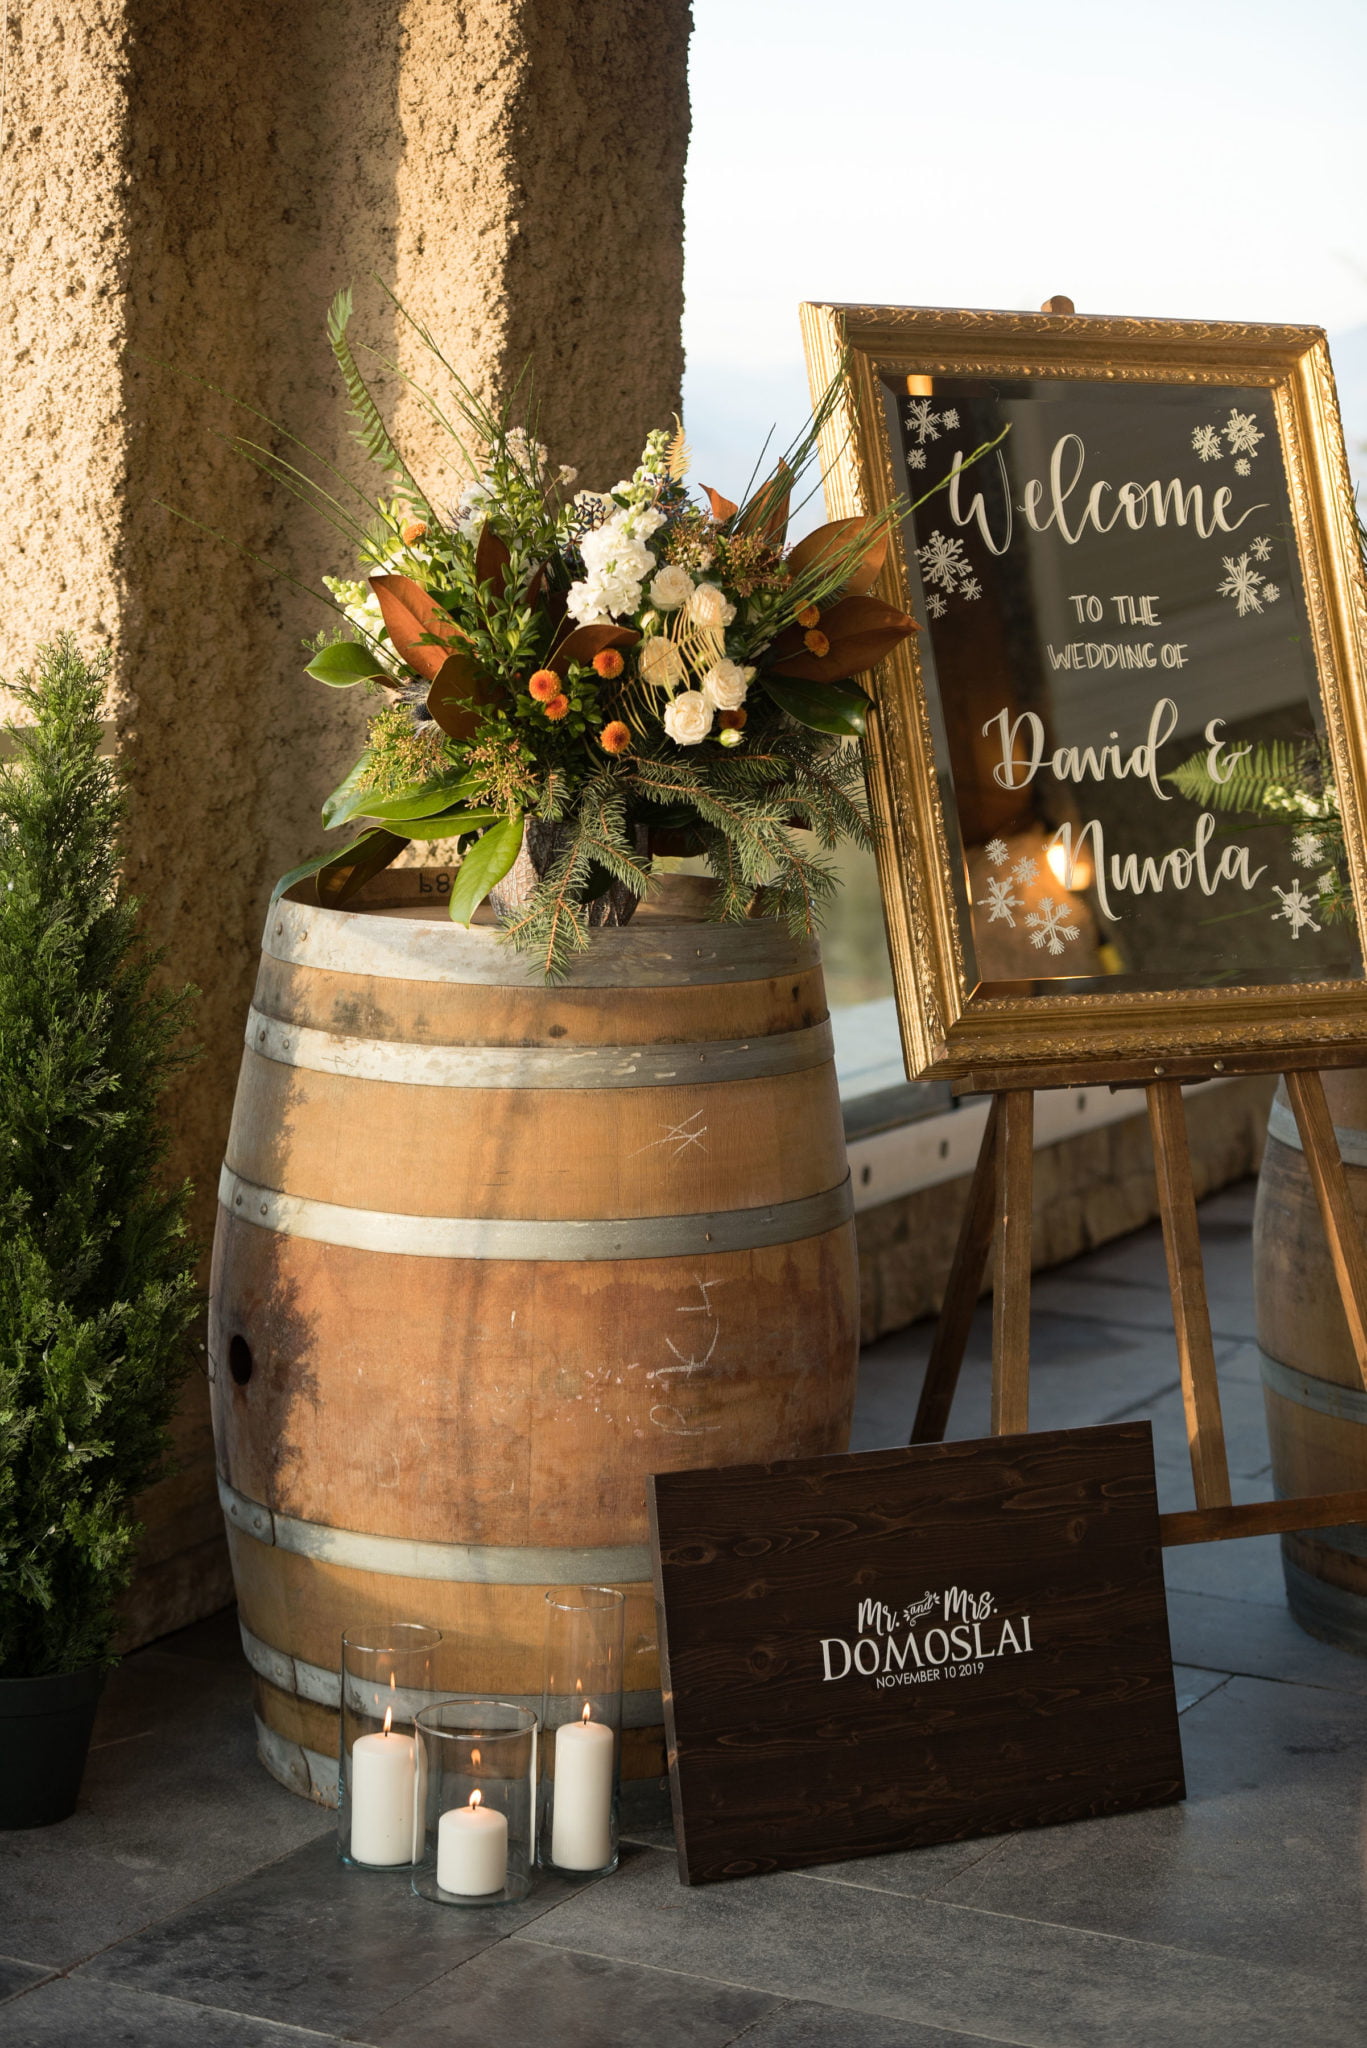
[186, 186]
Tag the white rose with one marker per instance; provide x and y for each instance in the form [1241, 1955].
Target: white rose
[660, 663]
[725, 685]
[688, 718]
[671, 588]
[708, 607]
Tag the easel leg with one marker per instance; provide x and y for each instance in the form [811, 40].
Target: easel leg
[961, 1293]
[1316, 1127]
[1186, 1277]
[1011, 1273]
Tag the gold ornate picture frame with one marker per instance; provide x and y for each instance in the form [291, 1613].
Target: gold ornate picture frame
[1145, 600]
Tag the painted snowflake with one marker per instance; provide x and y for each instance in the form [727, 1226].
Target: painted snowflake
[1243, 437]
[943, 561]
[923, 420]
[997, 851]
[1206, 442]
[1270, 593]
[970, 588]
[1306, 849]
[1000, 900]
[1025, 870]
[1261, 548]
[950, 418]
[1296, 908]
[1049, 925]
[1241, 583]
[916, 458]
[935, 604]
[1243, 467]
[1328, 882]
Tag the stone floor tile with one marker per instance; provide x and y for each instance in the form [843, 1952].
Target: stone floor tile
[1249, 1568]
[944, 1965]
[1192, 1685]
[524, 1995]
[174, 1805]
[829, 2026]
[1257, 1640]
[74, 2012]
[216, 1640]
[310, 1943]
[912, 1872]
[1264, 1858]
[17, 1977]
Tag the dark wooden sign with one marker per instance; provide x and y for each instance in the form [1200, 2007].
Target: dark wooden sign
[875, 1652]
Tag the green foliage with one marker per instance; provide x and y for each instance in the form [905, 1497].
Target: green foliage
[96, 1276]
[1271, 780]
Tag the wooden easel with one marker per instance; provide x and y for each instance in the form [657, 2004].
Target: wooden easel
[999, 1212]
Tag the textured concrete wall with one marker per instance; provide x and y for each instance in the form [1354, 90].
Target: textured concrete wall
[189, 186]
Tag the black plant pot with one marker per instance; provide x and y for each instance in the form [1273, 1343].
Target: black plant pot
[45, 1726]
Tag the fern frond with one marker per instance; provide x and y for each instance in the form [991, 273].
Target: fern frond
[678, 454]
[1261, 781]
[372, 434]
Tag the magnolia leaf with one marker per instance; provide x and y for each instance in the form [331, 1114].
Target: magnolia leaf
[458, 689]
[586, 641]
[343, 664]
[492, 557]
[722, 508]
[418, 800]
[767, 512]
[334, 806]
[826, 546]
[448, 824]
[536, 584]
[859, 631]
[413, 619]
[484, 866]
[824, 706]
[340, 875]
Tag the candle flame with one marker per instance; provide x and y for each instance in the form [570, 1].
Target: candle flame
[476, 1797]
[388, 1719]
[587, 1710]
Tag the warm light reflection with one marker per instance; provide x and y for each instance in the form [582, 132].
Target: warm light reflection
[1074, 874]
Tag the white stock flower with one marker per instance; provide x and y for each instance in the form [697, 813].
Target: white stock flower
[616, 564]
[725, 685]
[688, 718]
[672, 587]
[709, 607]
[660, 663]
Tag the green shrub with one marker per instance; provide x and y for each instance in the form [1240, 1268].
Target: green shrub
[97, 1288]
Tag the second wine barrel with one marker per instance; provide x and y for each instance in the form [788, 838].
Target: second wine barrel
[489, 1253]
[1312, 1385]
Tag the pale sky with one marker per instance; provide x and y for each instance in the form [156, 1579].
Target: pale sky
[1171, 157]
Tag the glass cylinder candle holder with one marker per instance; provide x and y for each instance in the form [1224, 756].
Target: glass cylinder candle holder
[477, 1773]
[387, 1675]
[581, 1719]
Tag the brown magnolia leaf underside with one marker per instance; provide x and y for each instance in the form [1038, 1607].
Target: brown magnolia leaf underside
[411, 618]
[586, 641]
[458, 689]
[828, 543]
[767, 512]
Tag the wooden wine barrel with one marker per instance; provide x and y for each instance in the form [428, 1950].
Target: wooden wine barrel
[1316, 1404]
[489, 1253]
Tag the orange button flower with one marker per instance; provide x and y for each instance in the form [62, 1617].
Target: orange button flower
[808, 616]
[411, 530]
[731, 721]
[608, 663]
[615, 737]
[816, 642]
[544, 685]
[557, 707]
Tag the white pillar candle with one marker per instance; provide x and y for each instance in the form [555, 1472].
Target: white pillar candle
[383, 1777]
[472, 1849]
[581, 1815]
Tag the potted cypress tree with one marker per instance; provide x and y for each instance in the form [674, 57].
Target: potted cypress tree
[97, 1286]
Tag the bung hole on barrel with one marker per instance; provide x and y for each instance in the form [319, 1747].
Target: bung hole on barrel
[240, 1361]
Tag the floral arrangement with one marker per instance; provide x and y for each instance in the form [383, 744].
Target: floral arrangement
[571, 685]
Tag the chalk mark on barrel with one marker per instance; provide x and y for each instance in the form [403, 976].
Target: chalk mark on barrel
[677, 1135]
[687, 1366]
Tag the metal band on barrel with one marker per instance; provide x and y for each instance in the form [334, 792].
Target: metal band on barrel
[500, 1237]
[1281, 1125]
[406, 1557]
[640, 1709]
[636, 956]
[515, 1066]
[1326, 1397]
